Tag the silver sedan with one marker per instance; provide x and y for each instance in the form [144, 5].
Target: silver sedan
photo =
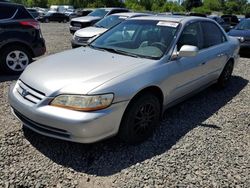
[122, 82]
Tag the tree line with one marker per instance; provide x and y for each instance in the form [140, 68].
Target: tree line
[199, 6]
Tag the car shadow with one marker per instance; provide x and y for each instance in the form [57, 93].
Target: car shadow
[111, 156]
[5, 78]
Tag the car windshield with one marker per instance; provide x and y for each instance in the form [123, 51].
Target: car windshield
[110, 21]
[138, 38]
[49, 14]
[243, 25]
[99, 13]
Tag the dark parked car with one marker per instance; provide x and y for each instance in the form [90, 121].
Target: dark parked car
[33, 13]
[242, 32]
[20, 38]
[93, 17]
[57, 17]
[84, 12]
[232, 20]
[197, 14]
[220, 21]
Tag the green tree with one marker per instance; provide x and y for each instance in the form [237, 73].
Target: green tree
[189, 4]
[213, 5]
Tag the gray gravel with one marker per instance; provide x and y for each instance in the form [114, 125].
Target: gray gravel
[203, 142]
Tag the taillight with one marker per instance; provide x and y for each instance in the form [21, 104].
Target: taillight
[31, 23]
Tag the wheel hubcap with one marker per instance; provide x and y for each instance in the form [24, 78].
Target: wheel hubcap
[144, 118]
[17, 60]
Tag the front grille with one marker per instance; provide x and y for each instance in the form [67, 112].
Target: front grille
[80, 24]
[42, 128]
[76, 24]
[28, 93]
[82, 39]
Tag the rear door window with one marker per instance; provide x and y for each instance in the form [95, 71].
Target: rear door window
[212, 35]
[7, 12]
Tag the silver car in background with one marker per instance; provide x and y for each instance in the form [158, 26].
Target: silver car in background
[121, 83]
[82, 36]
[93, 17]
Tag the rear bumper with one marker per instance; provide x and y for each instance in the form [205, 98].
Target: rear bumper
[39, 48]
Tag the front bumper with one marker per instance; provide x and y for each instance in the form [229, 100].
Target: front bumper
[75, 126]
[245, 45]
[75, 44]
[73, 29]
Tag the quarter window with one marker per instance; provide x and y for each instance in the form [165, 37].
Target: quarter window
[7, 12]
[212, 35]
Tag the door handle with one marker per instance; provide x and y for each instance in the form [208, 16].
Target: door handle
[203, 63]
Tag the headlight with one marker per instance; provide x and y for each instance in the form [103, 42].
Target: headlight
[241, 39]
[83, 102]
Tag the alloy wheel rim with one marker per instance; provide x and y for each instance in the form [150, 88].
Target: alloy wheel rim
[144, 118]
[17, 60]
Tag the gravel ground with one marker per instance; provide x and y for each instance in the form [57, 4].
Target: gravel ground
[203, 142]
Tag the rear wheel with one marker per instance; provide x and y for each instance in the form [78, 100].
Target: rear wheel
[225, 75]
[14, 59]
[140, 119]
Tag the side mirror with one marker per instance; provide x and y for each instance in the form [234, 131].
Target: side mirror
[188, 51]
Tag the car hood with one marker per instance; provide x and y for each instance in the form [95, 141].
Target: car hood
[86, 18]
[90, 31]
[239, 33]
[77, 71]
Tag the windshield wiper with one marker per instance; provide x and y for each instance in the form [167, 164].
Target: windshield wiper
[99, 26]
[118, 51]
[112, 50]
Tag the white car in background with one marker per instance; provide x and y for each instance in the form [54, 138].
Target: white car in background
[82, 36]
[93, 17]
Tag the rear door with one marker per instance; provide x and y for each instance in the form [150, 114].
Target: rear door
[215, 48]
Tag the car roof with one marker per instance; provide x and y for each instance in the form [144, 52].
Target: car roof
[11, 4]
[112, 8]
[131, 14]
[171, 18]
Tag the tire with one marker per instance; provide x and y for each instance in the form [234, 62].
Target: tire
[64, 21]
[14, 59]
[225, 75]
[136, 125]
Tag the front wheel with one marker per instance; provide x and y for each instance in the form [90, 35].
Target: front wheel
[140, 119]
[225, 75]
[14, 59]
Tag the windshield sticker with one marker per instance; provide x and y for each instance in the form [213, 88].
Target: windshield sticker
[168, 24]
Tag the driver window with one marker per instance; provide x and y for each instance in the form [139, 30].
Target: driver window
[191, 35]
